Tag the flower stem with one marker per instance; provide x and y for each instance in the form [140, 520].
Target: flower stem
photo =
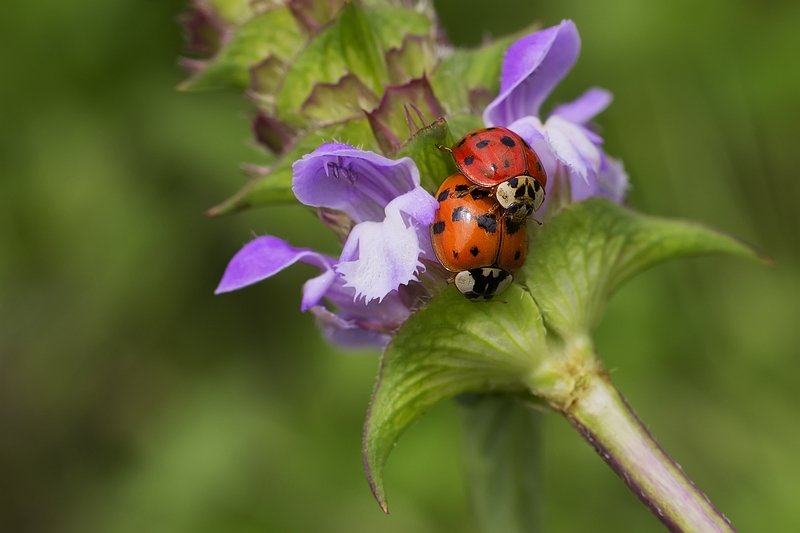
[607, 422]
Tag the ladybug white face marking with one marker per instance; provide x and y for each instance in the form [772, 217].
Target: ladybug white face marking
[520, 196]
[482, 283]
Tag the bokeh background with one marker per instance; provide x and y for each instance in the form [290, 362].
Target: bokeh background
[131, 399]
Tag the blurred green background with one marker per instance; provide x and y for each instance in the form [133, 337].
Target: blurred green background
[131, 399]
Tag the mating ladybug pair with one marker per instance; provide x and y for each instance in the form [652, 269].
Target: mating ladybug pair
[479, 229]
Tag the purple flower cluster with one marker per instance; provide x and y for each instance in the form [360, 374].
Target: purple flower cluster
[387, 264]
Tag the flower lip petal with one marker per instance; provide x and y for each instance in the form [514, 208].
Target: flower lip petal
[574, 149]
[348, 333]
[357, 182]
[317, 288]
[378, 257]
[532, 67]
[584, 108]
[612, 182]
[264, 257]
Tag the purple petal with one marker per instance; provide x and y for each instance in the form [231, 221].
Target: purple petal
[532, 130]
[532, 67]
[357, 182]
[573, 148]
[264, 257]
[612, 182]
[585, 107]
[378, 257]
[348, 333]
[317, 288]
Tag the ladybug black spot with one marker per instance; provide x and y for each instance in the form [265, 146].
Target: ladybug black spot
[479, 194]
[461, 188]
[538, 166]
[482, 144]
[514, 182]
[508, 141]
[469, 159]
[536, 185]
[488, 222]
[455, 254]
[474, 250]
[438, 227]
[443, 195]
[517, 254]
[506, 163]
[461, 213]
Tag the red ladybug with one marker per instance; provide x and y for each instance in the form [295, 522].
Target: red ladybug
[470, 237]
[499, 159]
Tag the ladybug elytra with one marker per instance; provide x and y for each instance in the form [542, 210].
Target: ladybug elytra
[499, 159]
[471, 238]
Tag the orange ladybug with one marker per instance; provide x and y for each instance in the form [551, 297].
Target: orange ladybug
[472, 237]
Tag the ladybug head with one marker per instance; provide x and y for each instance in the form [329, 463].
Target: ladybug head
[520, 196]
[482, 283]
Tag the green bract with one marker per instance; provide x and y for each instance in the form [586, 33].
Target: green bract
[317, 69]
[534, 338]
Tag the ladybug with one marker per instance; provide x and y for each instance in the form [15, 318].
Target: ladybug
[499, 159]
[470, 237]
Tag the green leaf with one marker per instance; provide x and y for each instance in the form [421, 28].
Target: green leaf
[276, 186]
[468, 70]
[503, 462]
[450, 347]
[585, 252]
[434, 164]
[354, 43]
[273, 34]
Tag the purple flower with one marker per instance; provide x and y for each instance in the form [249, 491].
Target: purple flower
[570, 150]
[373, 286]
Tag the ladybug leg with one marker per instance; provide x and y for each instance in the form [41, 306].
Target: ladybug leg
[463, 193]
[444, 148]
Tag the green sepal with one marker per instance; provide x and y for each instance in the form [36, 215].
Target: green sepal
[233, 12]
[274, 33]
[503, 461]
[275, 187]
[314, 14]
[470, 72]
[450, 347]
[583, 254]
[336, 102]
[404, 110]
[354, 42]
[414, 58]
[434, 164]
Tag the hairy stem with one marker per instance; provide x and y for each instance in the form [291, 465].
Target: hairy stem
[607, 422]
